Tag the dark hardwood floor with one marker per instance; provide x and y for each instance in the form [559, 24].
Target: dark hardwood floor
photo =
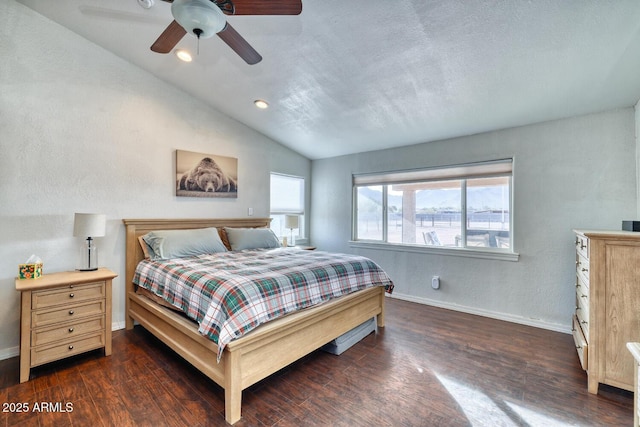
[427, 367]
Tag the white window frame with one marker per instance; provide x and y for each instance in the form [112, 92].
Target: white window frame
[462, 172]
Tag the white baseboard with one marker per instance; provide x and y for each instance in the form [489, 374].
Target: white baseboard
[494, 315]
[115, 326]
[8, 353]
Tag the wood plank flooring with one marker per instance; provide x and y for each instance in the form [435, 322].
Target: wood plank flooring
[427, 367]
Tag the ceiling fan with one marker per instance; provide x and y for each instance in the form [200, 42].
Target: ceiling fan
[204, 18]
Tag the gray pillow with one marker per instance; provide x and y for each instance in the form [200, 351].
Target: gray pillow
[251, 238]
[167, 244]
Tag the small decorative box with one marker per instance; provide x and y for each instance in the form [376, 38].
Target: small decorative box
[29, 271]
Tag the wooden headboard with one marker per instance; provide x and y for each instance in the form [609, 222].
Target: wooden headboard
[139, 227]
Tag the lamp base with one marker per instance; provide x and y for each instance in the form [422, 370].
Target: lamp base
[88, 256]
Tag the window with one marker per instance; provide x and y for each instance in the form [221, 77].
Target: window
[287, 199]
[463, 206]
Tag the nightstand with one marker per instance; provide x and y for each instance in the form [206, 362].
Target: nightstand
[64, 314]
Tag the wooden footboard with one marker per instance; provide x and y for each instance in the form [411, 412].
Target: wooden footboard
[261, 352]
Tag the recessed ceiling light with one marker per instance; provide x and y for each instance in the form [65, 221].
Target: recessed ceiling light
[146, 3]
[183, 55]
[261, 104]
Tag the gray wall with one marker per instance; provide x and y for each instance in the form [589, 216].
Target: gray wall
[84, 131]
[578, 172]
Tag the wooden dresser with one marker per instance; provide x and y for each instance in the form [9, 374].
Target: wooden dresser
[607, 312]
[64, 314]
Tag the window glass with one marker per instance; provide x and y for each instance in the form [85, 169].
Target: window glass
[468, 208]
[488, 212]
[369, 210]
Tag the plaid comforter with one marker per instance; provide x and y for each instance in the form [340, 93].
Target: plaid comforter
[231, 293]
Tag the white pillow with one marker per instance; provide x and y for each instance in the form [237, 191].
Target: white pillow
[251, 238]
[167, 244]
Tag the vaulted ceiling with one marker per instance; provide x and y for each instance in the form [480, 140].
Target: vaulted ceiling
[352, 76]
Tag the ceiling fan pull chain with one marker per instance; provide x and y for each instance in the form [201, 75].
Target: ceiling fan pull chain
[197, 32]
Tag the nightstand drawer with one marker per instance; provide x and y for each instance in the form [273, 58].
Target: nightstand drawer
[44, 354]
[67, 295]
[66, 314]
[68, 330]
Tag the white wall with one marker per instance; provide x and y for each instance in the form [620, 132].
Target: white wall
[578, 172]
[84, 131]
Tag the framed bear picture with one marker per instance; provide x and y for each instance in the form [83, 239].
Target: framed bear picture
[206, 175]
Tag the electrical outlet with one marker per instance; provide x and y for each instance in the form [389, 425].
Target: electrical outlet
[250, 211]
[435, 282]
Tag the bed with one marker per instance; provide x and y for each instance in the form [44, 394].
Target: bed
[260, 352]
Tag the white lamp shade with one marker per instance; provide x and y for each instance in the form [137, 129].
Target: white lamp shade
[199, 14]
[89, 225]
[291, 221]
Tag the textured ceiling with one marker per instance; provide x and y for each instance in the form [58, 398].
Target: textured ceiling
[350, 76]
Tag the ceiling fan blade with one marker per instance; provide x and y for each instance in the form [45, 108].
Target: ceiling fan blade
[240, 46]
[169, 38]
[260, 7]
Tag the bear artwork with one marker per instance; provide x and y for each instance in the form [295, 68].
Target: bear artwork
[207, 176]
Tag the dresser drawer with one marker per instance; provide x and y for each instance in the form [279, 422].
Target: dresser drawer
[582, 286]
[582, 268]
[66, 295]
[582, 315]
[581, 344]
[66, 348]
[68, 330]
[68, 313]
[582, 245]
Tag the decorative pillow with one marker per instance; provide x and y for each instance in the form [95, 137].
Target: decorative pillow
[251, 238]
[167, 244]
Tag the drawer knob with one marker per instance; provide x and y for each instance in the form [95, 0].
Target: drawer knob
[71, 295]
[70, 330]
[584, 269]
[70, 312]
[583, 296]
[578, 347]
[70, 347]
[584, 322]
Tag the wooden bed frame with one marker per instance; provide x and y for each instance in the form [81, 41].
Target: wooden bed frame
[261, 352]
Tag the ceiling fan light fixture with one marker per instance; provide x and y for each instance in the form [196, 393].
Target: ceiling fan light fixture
[199, 17]
[184, 55]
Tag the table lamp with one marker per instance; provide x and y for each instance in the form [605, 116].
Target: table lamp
[89, 225]
[291, 222]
